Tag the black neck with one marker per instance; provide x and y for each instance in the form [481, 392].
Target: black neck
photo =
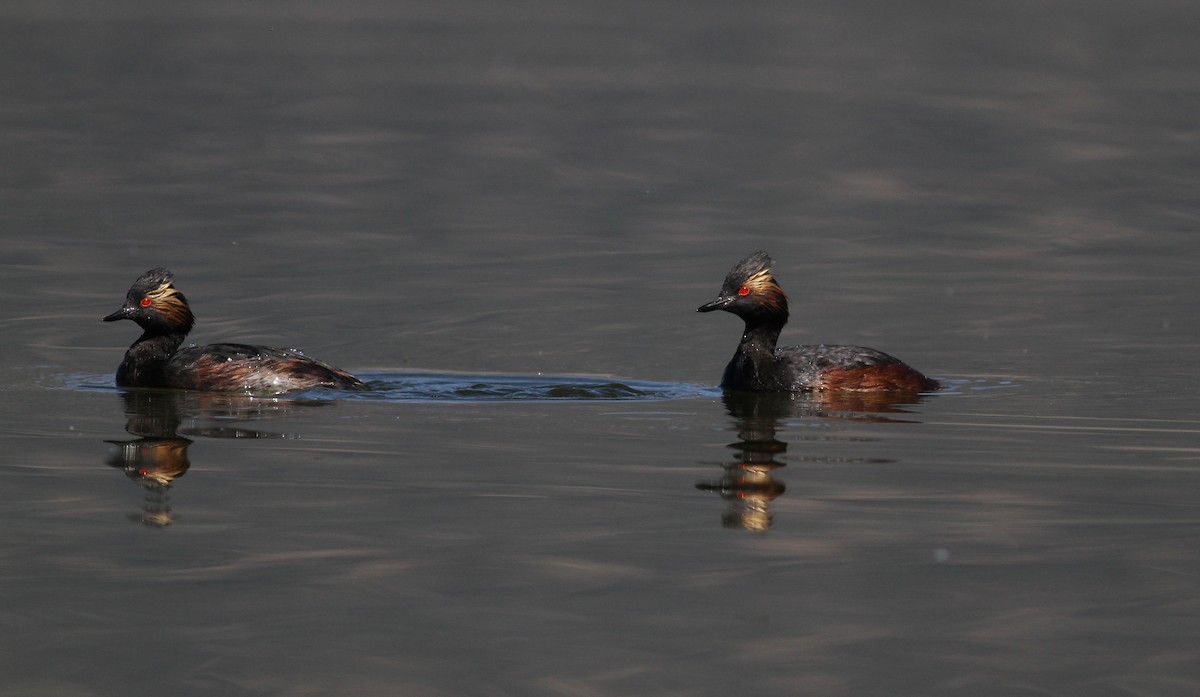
[147, 358]
[760, 337]
[166, 342]
[753, 364]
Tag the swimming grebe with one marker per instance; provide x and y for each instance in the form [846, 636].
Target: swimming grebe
[751, 292]
[155, 359]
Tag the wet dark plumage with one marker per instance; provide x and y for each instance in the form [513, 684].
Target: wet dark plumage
[156, 359]
[751, 292]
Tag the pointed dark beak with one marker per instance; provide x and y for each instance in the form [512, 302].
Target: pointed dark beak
[719, 304]
[124, 313]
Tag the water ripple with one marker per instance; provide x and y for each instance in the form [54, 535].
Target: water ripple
[477, 387]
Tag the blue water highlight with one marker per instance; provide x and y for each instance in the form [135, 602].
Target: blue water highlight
[477, 387]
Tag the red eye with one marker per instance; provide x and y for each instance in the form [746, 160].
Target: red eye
[743, 291]
[146, 302]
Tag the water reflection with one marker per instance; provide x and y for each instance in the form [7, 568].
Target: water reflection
[163, 419]
[154, 463]
[747, 484]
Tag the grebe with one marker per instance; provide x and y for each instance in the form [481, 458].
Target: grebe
[156, 359]
[751, 292]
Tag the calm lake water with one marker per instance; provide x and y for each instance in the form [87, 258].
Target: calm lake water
[504, 216]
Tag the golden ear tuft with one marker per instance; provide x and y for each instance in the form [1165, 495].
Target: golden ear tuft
[164, 289]
[760, 281]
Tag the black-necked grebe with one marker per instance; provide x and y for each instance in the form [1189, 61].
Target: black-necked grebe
[751, 292]
[155, 359]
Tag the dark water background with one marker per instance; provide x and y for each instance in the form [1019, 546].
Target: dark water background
[505, 214]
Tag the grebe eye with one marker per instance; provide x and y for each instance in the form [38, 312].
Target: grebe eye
[744, 290]
[146, 302]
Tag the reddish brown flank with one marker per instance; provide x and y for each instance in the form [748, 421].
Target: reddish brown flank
[896, 377]
[265, 373]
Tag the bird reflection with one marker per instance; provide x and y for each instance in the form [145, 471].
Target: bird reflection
[163, 420]
[747, 483]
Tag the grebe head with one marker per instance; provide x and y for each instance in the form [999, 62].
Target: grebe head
[156, 304]
[751, 291]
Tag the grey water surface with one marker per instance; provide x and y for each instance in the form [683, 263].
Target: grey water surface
[503, 215]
